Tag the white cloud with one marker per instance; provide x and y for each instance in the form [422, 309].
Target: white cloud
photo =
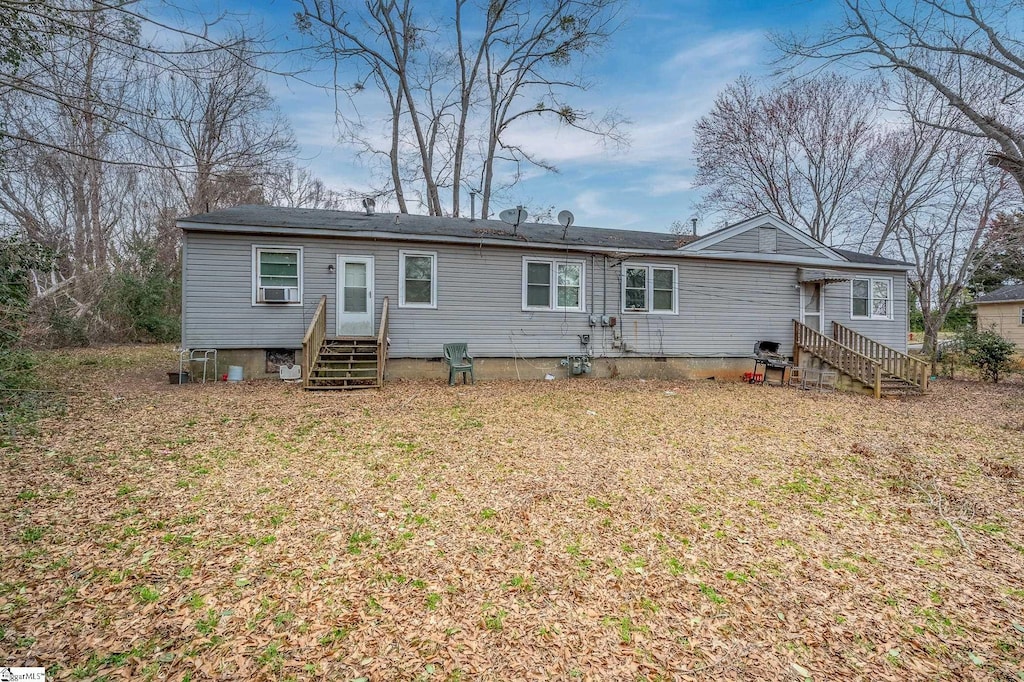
[663, 102]
[719, 53]
[594, 208]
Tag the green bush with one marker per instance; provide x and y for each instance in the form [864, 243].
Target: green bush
[65, 329]
[986, 350]
[960, 318]
[145, 301]
[20, 387]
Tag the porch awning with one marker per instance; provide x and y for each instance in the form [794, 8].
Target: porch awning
[814, 275]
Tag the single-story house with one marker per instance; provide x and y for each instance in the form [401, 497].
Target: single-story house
[1002, 310]
[531, 300]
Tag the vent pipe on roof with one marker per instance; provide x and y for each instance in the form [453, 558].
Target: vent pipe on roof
[368, 204]
[693, 221]
[472, 206]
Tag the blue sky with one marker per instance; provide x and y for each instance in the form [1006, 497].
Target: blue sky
[662, 71]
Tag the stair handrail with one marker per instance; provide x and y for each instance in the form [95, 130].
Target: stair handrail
[382, 342]
[896, 363]
[313, 341]
[861, 367]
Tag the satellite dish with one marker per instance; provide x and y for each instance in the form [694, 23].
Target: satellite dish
[513, 216]
[565, 219]
[368, 204]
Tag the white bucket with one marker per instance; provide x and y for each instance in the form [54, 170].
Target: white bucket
[234, 373]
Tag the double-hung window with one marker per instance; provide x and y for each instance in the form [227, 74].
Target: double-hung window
[552, 284]
[871, 298]
[277, 275]
[417, 279]
[649, 289]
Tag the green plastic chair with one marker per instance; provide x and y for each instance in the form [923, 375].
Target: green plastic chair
[459, 361]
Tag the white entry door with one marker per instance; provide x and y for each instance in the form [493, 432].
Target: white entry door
[355, 296]
[811, 306]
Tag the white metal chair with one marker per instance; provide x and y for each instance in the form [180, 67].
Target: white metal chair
[804, 377]
[186, 358]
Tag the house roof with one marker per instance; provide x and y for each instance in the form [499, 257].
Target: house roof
[398, 225]
[857, 257]
[283, 221]
[1008, 294]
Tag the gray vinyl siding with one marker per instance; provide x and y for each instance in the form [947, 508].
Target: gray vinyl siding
[723, 306]
[744, 242]
[479, 298]
[892, 332]
[791, 246]
[747, 242]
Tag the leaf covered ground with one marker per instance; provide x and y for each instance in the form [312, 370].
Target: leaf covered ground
[574, 529]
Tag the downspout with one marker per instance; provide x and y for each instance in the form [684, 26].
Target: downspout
[604, 291]
[184, 285]
[592, 307]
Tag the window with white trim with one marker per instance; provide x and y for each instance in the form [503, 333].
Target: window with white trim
[649, 289]
[1022, 315]
[871, 298]
[553, 284]
[417, 279]
[277, 275]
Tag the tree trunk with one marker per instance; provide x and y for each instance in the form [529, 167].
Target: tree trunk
[396, 176]
[932, 324]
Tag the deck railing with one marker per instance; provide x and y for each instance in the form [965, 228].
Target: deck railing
[382, 343]
[861, 367]
[906, 367]
[313, 341]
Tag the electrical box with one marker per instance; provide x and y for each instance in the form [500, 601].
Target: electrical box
[593, 320]
[584, 339]
[608, 320]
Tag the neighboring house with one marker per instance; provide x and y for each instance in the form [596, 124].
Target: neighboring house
[529, 301]
[1003, 311]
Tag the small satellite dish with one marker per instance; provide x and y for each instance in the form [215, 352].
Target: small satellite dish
[513, 216]
[565, 219]
[368, 204]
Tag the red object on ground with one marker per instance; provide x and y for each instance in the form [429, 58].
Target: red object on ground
[223, 377]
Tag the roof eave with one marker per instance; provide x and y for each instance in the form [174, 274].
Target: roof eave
[613, 251]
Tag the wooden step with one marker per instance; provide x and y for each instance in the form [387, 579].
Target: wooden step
[345, 364]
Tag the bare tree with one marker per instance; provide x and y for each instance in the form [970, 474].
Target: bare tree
[945, 239]
[454, 87]
[57, 187]
[221, 133]
[33, 32]
[971, 52]
[799, 150]
[910, 162]
[298, 188]
[106, 140]
[1002, 260]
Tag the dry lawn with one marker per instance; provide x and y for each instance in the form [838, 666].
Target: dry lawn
[576, 529]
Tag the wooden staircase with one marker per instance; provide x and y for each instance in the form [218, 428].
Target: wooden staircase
[343, 362]
[349, 362]
[886, 371]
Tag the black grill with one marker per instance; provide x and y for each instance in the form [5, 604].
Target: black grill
[766, 354]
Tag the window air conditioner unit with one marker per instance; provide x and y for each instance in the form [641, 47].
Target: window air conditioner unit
[279, 295]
